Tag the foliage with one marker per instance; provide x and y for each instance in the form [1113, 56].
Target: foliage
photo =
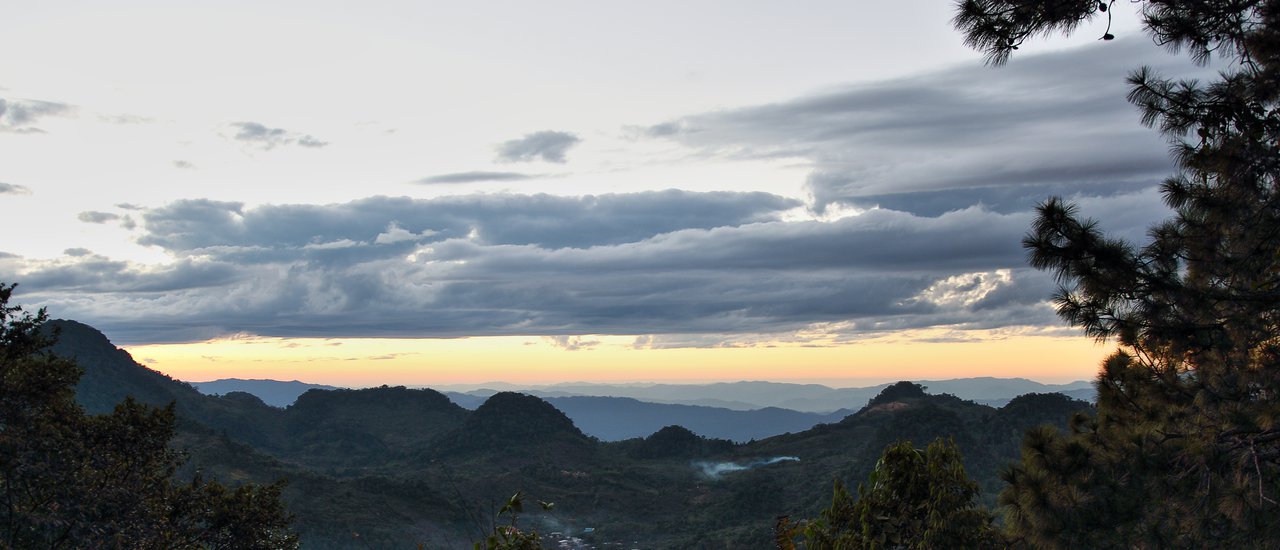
[1184, 450]
[675, 442]
[70, 480]
[913, 499]
[643, 492]
[508, 421]
[897, 392]
[508, 536]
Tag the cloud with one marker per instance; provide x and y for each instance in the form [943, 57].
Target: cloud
[470, 177]
[21, 115]
[926, 185]
[308, 141]
[267, 138]
[126, 119]
[717, 470]
[97, 217]
[332, 245]
[228, 229]
[183, 165]
[571, 343]
[547, 145]
[85, 272]
[1005, 138]
[13, 189]
[668, 263]
[396, 234]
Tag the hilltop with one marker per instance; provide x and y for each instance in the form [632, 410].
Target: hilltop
[612, 412]
[403, 466]
[276, 393]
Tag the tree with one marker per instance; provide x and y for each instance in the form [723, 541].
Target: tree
[509, 536]
[1184, 450]
[70, 480]
[897, 392]
[914, 499]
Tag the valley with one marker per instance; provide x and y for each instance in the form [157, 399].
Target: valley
[396, 467]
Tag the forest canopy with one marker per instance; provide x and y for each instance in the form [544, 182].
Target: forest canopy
[1184, 450]
[73, 480]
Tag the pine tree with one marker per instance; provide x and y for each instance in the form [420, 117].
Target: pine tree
[1184, 450]
[70, 480]
[918, 499]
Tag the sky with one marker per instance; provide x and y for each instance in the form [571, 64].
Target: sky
[437, 193]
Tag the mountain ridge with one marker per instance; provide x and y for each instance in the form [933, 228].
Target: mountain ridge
[277, 393]
[402, 466]
[612, 418]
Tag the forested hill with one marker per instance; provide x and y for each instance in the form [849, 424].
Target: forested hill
[400, 467]
[602, 414]
[272, 392]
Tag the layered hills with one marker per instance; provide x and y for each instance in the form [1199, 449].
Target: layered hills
[813, 398]
[747, 410]
[272, 392]
[396, 467]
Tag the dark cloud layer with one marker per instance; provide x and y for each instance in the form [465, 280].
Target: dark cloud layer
[212, 227]
[662, 262]
[935, 176]
[1002, 137]
[268, 138]
[548, 145]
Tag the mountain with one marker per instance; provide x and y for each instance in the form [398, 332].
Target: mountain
[272, 392]
[676, 442]
[331, 429]
[987, 388]
[110, 373]
[396, 467]
[988, 437]
[618, 418]
[813, 398]
[515, 426]
[230, 438]
[744, 395]
[466, 400]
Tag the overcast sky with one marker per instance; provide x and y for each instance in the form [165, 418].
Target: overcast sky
[688, 174]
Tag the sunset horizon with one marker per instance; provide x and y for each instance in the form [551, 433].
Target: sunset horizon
[583, 275]
[533, 361]
[404, 200]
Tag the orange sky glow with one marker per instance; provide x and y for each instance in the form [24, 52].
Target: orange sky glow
[917, 355]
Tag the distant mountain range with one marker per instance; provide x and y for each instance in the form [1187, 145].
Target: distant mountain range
[814, 398]
[272, 392]
[739, 396]
[617, 412]
[394, 467]
[618, 418]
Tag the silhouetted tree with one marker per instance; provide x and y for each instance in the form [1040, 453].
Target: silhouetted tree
[897, 392]
[1184, 451]
[509, 536]
[914, 499]
[69, 480]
